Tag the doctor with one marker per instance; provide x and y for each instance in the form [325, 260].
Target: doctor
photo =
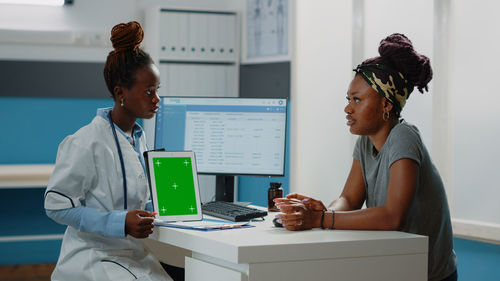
[98, 187]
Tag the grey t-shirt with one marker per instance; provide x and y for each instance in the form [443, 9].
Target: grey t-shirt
[429, 214]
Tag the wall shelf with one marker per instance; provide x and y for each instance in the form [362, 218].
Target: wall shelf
[25, 176]
[20, 238]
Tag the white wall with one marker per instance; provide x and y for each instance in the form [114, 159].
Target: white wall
[321, 72]
[82, 16]
[90, 17]
[475, 107]
[415, 20]
[457, 118]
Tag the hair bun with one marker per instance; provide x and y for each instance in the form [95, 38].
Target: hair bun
[126, 36]
[394, 44]
[398, 50]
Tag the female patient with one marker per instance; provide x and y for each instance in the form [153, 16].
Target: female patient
[392, 170]
[98, 187]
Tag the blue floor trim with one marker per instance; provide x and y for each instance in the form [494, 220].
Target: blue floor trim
[29, 252]
[477, 260]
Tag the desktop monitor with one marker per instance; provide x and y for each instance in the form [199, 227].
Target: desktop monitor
[230, 136]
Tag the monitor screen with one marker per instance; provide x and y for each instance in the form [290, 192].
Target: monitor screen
[233, 136]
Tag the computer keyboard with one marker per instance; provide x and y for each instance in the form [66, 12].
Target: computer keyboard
[231, 211]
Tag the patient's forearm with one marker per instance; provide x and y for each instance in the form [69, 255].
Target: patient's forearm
[340, 204]
[376, 218]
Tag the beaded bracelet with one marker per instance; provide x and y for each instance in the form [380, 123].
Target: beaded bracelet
[333, 219]
[322, 218]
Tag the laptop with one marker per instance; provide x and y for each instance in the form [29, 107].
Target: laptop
[173, 182]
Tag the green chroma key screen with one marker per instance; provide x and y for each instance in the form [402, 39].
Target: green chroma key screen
[175, 186]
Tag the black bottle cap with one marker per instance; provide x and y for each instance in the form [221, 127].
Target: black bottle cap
[275, 184]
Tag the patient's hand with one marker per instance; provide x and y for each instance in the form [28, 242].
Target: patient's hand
[296, 215]
[310, 203]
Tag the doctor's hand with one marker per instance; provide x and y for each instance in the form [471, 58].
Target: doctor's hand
[139, 223]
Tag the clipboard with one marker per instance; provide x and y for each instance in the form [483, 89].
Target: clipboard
[205, 224]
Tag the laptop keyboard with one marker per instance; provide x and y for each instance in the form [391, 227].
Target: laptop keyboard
[231, 211]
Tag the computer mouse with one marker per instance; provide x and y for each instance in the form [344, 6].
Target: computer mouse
[277, 223]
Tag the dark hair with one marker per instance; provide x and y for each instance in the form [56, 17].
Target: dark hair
[127, 57]
[396, 51]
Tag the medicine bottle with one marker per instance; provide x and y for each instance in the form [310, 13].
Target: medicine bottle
[275, 191]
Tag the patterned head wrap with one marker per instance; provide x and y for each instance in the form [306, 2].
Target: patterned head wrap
[390, 84]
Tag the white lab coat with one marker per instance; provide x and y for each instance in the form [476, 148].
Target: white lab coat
[88, 173]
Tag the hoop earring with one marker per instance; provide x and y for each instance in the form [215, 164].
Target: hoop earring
[385, 116]
[122, 103]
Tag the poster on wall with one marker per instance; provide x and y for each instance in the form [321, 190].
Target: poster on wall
[266, 32]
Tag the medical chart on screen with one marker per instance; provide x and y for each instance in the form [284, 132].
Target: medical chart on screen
[217, 139]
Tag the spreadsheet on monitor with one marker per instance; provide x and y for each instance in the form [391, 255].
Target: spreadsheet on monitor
[239, 136]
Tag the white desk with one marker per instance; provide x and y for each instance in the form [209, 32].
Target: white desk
[267, 253]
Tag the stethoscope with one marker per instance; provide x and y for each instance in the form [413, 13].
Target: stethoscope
[121, 162]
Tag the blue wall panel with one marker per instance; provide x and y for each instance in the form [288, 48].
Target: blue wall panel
[22, 213]
[33, 127]
[32, 130]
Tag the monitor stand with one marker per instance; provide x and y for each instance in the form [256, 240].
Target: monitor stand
[224, 188]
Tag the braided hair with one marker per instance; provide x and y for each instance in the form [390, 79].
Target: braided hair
[127, 57]
[396, 51]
